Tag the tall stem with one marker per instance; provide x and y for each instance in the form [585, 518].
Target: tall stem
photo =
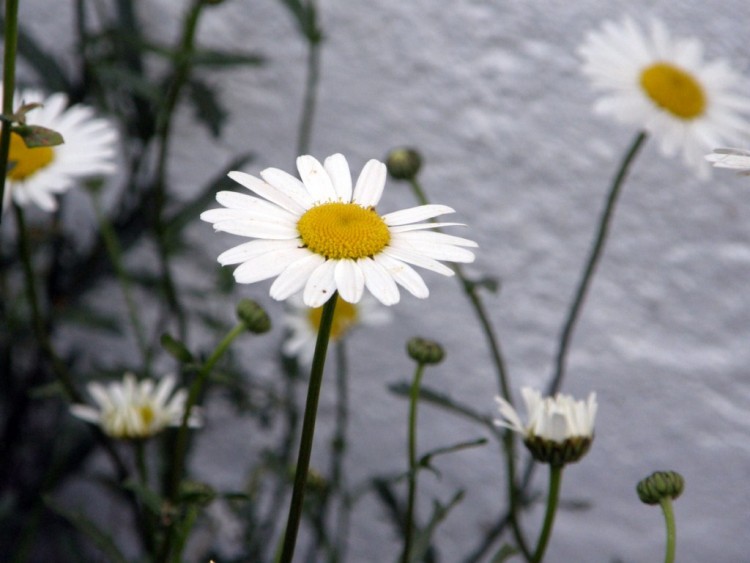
[308, 429]
[593, 260]
[666, 506]
[9, 85]
[339, 447]
[310, 96]
[555, 477]
[412, 453]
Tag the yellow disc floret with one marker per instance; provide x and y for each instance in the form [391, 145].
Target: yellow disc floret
[674, 90]
[344, 317]
[341, 231]
[25, 161]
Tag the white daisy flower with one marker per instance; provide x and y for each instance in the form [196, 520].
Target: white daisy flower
[663, 85]
[734, 159]
[38, 173]
[320, 235]
[303, 323]
[559, 429]
[134, 409]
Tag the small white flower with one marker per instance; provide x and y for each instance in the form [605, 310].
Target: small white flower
[303, 323]
[555, 419]
[734, 159]
[663, 85]
[89, 150]
[322, 235]
[134, 409]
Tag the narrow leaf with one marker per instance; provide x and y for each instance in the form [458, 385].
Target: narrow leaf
[37, 136]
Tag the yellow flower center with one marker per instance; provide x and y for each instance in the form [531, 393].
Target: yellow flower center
[26, 161]
[344, 317]
[674, 90]
[343, 230]
[147, 414]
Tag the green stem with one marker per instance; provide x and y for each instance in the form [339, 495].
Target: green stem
[339, 447]
[666, 506]
[9, 86]
[555, 477]
[112, 243]
[308, 430]
[593, 260]
[412, 452]
[310, 96]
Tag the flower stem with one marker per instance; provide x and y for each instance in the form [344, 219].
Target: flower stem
[593, 260]
[555, 477]
[9, 85]
[308, 429]
[412, 452]
[310, 96]
[666, 506]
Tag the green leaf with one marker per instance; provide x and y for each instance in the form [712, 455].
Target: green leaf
[37, 136]
[207, 106]
[176, 349]
[424, 537]
[504, 553]
[426, 460]
[225, 58]
[150, 499]
[307, 19]
[99, 537]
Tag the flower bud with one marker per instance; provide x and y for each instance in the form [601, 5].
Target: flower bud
[254, 316]
[403, 163]
[425, 351]
[558, 453]
[660, 485]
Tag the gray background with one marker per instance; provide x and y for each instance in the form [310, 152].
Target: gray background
[492, 94]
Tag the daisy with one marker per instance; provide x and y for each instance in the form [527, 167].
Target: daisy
[320, 235]
[39, 173]
[303, 323]
[559, 428]
[735, 159]
[134, 409]
[663, 85]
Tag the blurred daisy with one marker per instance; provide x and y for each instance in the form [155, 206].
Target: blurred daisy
[39, 173]
[303, 323]
[663, 85]
[134, 409]
[734, 159]
[319, 235]
[559, 429]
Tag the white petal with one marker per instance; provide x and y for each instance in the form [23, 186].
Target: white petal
[341, 177]
[512, 420]
[287, 200]
[294, 277]
[267, 265]
[316, 179]
[255, 229]
[249, 250]
[321, 285]
[286, 183]
[418, 259]
[415, 214]
[370, 184]
[350, 281]
[379, 282]
[422, 227]
[437, 251]
[404, 275]
[254, 206]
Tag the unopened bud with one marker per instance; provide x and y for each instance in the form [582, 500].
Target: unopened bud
[660, 485]
[254, 316]
[425, 351]
[403, 163]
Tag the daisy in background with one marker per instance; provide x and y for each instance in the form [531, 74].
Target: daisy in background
[663, 85]
[37, 174]
[133, 409]
[321, 235]
[734, 159]
[303, 323]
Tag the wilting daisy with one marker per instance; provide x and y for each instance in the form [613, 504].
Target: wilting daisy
[320, 235]
[663, 85]
[559, 429]
[303, 323]
[134, 409]
[39, 173]
[734, 159]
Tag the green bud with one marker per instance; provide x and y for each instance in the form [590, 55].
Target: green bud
[558, 454]
[254, 316]
[403, 163]
[660, 485]
[176, 349]
[425, 351]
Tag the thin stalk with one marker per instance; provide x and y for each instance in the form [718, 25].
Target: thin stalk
[9, 86]
[338, 449]
[555, 478]
[412, 453]
[112, 243]
[666, 507]
[595, 254]
[310, 97]
[308, 429]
